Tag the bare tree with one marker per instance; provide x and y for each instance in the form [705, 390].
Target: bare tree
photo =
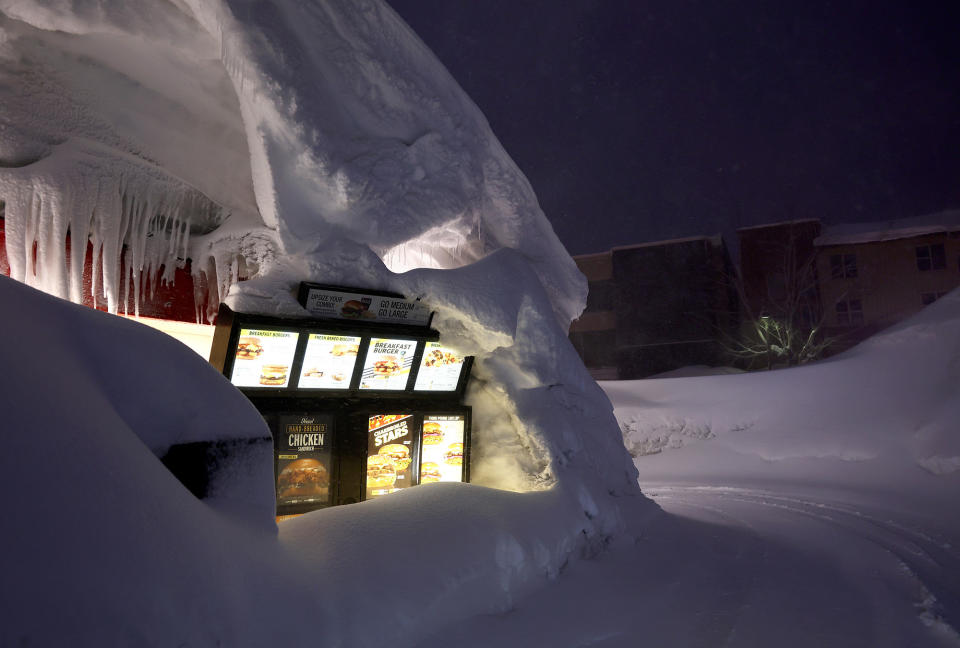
[786, 327]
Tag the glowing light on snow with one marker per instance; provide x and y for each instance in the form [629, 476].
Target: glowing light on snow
[199, 337]
[443, 247]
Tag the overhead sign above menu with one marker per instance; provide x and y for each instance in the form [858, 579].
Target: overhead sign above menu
[336, 304]
[264, 358]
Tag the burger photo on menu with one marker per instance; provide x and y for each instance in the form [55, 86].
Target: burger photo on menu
[386, 367]
[398, 454]
[381, 472]
[249, 348]
[432, 433]
[353, 309]
[273, 374]
[429, 472]
[303, 479]
[454, 455]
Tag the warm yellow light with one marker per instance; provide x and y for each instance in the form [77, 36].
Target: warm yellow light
[198, 337]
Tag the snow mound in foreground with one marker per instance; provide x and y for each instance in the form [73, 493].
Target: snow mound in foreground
[885, 413]
[106, 547]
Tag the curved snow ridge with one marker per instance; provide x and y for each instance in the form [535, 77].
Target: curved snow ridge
[451, 551]
[915, 566]
[356, 131]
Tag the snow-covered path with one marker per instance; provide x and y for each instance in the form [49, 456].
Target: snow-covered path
[735, 566]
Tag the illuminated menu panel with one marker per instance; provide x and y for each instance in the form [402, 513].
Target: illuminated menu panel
[328, 361]
[442, 449]
[439, 369]
[391, 454]
[304, 446]
[387, 365]
[264, 358]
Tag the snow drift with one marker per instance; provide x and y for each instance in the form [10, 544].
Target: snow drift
[882, 415]
[294, 141]
[105, 547]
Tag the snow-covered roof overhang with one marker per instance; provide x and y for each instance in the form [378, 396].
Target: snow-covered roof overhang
[875, 232]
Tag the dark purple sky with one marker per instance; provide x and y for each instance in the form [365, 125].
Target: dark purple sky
[641, 120]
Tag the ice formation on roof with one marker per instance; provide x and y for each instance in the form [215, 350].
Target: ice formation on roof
[297, 127]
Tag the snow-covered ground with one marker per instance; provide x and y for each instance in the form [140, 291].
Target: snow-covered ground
[107, 548]
[322, 141]
[813, 506]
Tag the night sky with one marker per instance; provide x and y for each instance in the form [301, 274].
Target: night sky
[638, 121]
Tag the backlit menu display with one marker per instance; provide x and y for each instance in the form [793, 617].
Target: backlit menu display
[387, 365]
[303, 459]
[328, 361]
[439, 369]
[263, 358]
[391, 453]
[442, 448]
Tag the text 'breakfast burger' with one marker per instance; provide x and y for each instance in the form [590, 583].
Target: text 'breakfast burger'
[273, 374]
[380, 472]
[248, 348]
[399, 455]
[303, 478]
[432, 433]
[429, 472]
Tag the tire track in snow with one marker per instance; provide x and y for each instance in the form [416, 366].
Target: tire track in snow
[928, 563]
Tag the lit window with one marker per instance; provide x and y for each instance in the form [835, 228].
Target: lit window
[849, 312]
[843, 266]
[931, 257]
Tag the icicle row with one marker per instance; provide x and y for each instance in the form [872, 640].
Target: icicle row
[136, 221]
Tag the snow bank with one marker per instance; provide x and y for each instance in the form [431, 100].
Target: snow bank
[294, 141]
[310, 141]
[105, 547]
[884, 414]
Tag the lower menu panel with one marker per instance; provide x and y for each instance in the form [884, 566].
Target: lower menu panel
[442, 455]
[408, 449]
[392, 445]
[303, 444]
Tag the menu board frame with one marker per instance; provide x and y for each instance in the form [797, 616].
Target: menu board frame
[227, 337]
[465, 413]
[377, 307]
[336, 447]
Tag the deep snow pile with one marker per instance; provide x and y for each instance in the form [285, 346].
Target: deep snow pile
[322, 141]
[302, 141]
[884, 415]
[103, 546]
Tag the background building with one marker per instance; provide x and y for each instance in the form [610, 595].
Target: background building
[656, 306]
[873, 275]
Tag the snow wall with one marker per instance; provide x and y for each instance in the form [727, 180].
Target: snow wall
[320, 141]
